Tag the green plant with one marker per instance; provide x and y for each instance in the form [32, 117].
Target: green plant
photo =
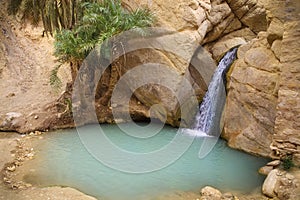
[100, 21]
[55, 14]
[55, 81]
[287, 162]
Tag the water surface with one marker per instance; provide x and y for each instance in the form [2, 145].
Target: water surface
[63, 160]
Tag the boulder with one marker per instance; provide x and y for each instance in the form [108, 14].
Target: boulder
[281, 185]
[274, 163]
[265, 170]
[220, 48]
[251, 13]
[210, 193]
[271, 183]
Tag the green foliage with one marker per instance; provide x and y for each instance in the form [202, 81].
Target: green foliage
[55, 81]
[100, 21]
[68, 102]
[55, 14]
[287, 162]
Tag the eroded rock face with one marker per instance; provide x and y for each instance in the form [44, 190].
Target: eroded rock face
[263, 84]
[252, 98]
[262, 108]
[287, 125]
[199, 22]
[280, 184]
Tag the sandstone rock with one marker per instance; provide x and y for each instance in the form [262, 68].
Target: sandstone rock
[275, 30]
[244, 33]
[229, 196]
[271, 183]
[250, 13]
[164, 82]
[265, 170]
[252, 98]
[281, 185]
[210, 193]
[276, 48]
[287, 124]
[220, 48]
[274, 163]
[11, 120]
[182, 15]
[229, 24]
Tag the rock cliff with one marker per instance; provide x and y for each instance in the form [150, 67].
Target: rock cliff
[262, 109]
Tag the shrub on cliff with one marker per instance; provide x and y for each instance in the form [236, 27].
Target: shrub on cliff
[287, 162]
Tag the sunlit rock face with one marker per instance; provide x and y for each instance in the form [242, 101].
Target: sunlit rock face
[262, 111]
[252, 98]
[287, 125]
[194, 22]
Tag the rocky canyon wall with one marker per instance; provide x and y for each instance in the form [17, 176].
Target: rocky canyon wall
[262, 109]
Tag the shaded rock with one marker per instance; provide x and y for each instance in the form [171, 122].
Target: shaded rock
[276, 48]
[251, 13]
[220, 48]
[275, 30]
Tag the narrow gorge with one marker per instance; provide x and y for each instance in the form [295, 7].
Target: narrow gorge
[157, 74]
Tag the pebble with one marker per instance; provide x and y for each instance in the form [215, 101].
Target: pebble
[11, 168]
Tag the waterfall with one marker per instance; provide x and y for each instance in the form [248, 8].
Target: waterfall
[208, 118]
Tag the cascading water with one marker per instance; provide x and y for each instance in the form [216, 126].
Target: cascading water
[208, 118]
